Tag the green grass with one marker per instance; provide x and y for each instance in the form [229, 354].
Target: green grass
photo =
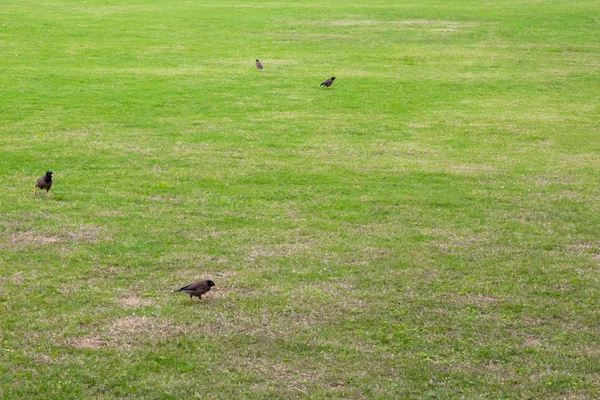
[428, 227]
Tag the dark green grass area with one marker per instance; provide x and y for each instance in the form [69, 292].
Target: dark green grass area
[428, 227]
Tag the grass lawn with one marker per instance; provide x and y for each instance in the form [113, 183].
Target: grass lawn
[427, 227]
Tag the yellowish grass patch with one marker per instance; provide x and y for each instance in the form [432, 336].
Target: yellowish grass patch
[132, 300]
[21, 239]
[132, 331]
[87, 342]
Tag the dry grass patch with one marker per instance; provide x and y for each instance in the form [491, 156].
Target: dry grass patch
[86, 233]
[133, 331]
[293, 378]
[16, 278]
[194, 263]
[126, 327]
[585, 250]
[531, 341]
[132, 300]
[475, 298]
[308, 306]
[29, 238]
[109, 213]
[278, 116]
[363, 255]
[575, 395]
[449, 242]
[78, 133]
[88, 342]
[23, 239]
[440, 24]
[280, 249]
[470, 169]
[546, 179]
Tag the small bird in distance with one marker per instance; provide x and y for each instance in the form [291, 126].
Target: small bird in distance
[197, 288]
[258, 64]
[327, 82]
[44, 182]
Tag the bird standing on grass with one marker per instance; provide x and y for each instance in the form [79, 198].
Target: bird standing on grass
[44, 182]
[327, 82]
[197, 288]
[259, 65]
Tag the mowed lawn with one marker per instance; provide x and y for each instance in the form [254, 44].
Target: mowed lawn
[427, 227]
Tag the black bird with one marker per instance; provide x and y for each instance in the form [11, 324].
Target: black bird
[259, 65]
[197, 288]
[44, 182]
[328, 82]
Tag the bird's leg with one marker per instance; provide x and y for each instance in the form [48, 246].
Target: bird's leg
[191, 297]
[200, 297]
[34, 190]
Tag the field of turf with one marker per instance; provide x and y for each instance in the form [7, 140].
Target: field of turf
[427, 227]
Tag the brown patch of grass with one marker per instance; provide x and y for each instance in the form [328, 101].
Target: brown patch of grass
[75, 133]
[40, 358]
[313, 304]
[585, 249]
[87, 342]
[68, 288]
[419, 124]
[337, 385]
[542, 180]
[16, 279]
[531, 341]
[280, 250]
[194, 263]
[131, 331]
[575, 395]
[408, 22]
[294, 379]
[199, 236]
[22, 239]
[110, 213]
[469, 169]
[492, 366]
[133, 324]
[451, 242]
[85, 233]
[529, 321]
[477, 298]
[132, 300]
[29, 238]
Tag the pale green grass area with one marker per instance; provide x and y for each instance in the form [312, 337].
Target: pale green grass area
[428, 227]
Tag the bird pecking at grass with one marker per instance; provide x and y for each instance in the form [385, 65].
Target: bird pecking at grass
[197, 288]
[327, 82]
